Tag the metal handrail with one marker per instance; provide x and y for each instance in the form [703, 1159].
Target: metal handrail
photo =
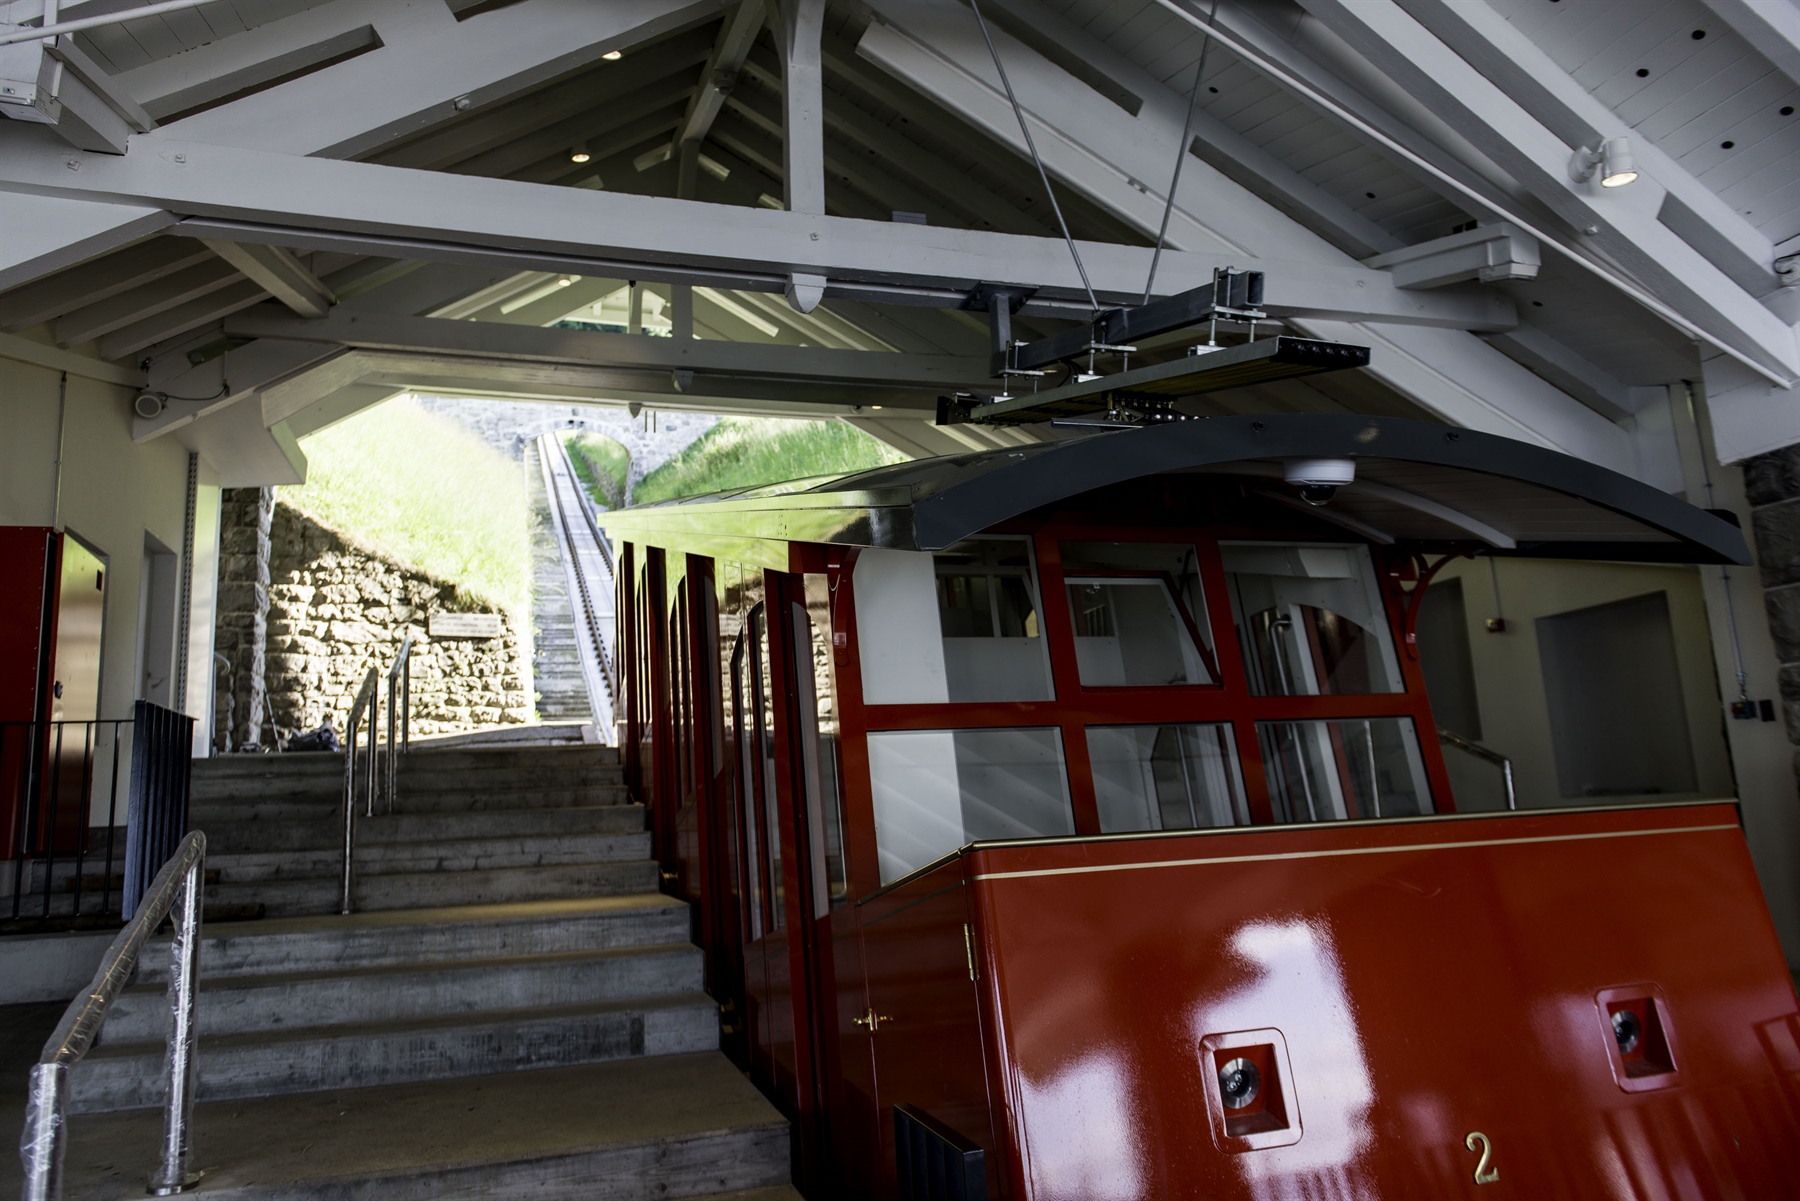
[398, 712]
[46, 1114]
[1486, 755]
[367, 697]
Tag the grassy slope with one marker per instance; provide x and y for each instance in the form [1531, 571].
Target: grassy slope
[602, 464]
[425, 491]
[742, 452]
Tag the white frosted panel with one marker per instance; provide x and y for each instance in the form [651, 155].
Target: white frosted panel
[918, 806]
[897, 633]
[936, 790]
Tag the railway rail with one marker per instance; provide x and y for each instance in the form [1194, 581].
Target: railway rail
[588, 565]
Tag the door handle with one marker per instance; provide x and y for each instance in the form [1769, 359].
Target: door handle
[871, 1021]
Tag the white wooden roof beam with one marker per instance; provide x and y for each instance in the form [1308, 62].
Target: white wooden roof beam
[1502, 53]
[799, 26]
[361, 208]
[736, 37]
[279, 274]
[430, 65]
[1624, 221]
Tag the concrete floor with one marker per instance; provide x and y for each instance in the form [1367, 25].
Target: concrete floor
[295, 1144]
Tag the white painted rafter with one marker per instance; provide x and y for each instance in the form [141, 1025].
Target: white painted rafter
[1771, 26]
[735, 39]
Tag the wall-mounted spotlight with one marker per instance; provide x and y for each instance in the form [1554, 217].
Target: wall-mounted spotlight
[579, 154]
[1612, 160]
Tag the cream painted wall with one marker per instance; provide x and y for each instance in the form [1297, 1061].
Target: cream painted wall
[113, 492]
[1509, 677]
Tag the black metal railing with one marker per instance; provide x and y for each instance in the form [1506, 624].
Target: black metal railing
[156, 820]
[56, 778]
[933, 1163]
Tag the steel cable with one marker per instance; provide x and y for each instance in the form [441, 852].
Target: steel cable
[1036, 161]
[1181, 153]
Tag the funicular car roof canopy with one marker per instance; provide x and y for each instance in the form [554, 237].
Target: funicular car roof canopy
[1415, 482]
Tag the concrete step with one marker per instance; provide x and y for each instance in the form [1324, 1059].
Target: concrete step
[437, 855]
[405, 890]
[267, 1063]
[421, 757]
[680, 1127]
[318, 806]
[425, 936]
[408, 992]
[225, 837]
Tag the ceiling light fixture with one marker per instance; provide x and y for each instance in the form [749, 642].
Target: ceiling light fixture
[613, 56]
[1612, 160]
[579, 154]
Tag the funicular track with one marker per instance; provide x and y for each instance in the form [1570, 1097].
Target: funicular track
[587, 562]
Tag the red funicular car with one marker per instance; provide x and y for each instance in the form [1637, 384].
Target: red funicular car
[1069, 822]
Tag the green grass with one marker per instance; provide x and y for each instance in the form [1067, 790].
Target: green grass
[603, 465]
[743, 452]
[427, 493]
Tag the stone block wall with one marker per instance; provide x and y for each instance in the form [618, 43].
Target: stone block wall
[1772, 486]
[335, 608]
[241, 638]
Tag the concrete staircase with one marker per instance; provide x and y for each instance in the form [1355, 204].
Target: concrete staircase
[510, 968]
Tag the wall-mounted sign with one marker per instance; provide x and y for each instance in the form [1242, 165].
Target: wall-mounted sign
[465, 625]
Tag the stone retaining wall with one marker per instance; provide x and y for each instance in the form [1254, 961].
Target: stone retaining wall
[334, 609]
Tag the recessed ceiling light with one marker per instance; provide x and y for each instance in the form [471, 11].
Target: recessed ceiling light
[564, 282]
[613, 56]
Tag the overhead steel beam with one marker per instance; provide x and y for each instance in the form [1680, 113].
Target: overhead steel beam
[736, 37]
[517, 343]
[317, 203]
[279, 274]
[1622, 223]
